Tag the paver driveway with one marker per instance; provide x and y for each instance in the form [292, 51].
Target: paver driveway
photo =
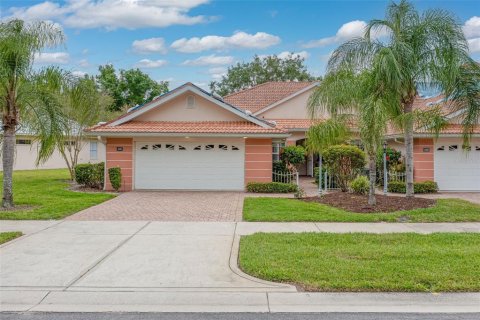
[168, 206]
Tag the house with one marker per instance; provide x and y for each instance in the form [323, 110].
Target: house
[27, 146]
[189, 139]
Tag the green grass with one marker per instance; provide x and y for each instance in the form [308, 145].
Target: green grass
[288, 210]
[46, 194]
[7, 236]
[365, 262]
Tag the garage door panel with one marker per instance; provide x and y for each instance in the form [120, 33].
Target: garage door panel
[457, 169]
[190, 169]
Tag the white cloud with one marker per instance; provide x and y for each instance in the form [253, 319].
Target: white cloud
[209, 60]
[346, 32]
[217, 73]
[52, 57]
[84, 63]
[285, 54]
[152, 45]
[78, 73]
[113, 14]
[471, 28]
[147, 63]
[474, 45]
[259, 40]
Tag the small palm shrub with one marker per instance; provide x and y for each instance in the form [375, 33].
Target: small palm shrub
[360, 185]
[115, 176]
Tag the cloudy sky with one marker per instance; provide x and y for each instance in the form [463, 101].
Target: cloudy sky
[196, 40]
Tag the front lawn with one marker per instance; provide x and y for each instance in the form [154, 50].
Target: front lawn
[288, 210]
[365, 262]
[43, 195]
[7, 236]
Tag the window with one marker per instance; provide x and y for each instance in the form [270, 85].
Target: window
[156, 146]
[181, 147]
[276, 147]
[198, 148]
[69, 143]
[467, 148]
[170, 146]
[477, 148]
[453, 147]
[24, 141]
[234, 148]
[144, 147]
[442, 148]
[223, 147]
[93, 150]
[190, 102]
[209, 147]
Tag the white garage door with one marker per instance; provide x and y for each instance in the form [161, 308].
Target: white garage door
[456, 168]
[203, 165]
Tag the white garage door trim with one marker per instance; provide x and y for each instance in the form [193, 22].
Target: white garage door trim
[202, 164]
[456, 169]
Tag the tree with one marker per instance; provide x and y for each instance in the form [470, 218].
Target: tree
[345, 162]
[24, 95]
[129, 87]
[293, 156]
[354, 99]
[83, 105]
[419, 49]
[260, 70]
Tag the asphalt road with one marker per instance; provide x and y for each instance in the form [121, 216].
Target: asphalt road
[237, 316]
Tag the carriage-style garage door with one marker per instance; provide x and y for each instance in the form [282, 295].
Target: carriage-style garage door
[457, 168]
[192, 165]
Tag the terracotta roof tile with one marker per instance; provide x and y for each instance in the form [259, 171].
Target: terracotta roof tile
[295, 123]
[263, 95]
[228, 127]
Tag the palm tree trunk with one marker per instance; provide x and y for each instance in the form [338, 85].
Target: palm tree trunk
[8, 154]
[409, 150]
[372, 166]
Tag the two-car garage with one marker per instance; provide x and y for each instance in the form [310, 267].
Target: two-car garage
[189, 164]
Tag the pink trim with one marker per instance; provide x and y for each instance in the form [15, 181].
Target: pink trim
[258, 160]
[423, 162]
[122, 159]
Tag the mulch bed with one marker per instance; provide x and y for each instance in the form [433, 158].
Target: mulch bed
[358, 203]
[79, 188]
[18, 208]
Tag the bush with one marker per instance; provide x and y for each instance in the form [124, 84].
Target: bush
[360, 185]
[293, 155]
[279, 167]
[90, 174]
[115, 176]
[315, 174]
[345, 162]
[271, 187]
[418, 187]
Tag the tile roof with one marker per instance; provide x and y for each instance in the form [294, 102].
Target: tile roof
[263, 95]
[227, 127]
[295, 123]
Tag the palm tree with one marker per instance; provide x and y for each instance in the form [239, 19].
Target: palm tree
[352, 100]
[24, 98]
[427, 49]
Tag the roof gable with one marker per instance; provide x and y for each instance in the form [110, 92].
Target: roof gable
[171, 95]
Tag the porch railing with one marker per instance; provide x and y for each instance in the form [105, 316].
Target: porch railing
[286, 177]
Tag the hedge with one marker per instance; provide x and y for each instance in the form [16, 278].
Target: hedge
[418, 187]
[271, 187]
[90, 174]
[115, 176]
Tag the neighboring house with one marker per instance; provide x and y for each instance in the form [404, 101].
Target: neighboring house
[26, 151]
[189, 139]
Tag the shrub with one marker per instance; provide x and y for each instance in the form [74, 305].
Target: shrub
[293, 155]
[115, 176]
[90, 174]
[271, 187]
[345, 162]
[279, 167]
[300, 193]
[360, 185]
[418, 187]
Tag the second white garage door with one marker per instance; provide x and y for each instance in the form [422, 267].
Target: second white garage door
[456, 168]
[192, 165]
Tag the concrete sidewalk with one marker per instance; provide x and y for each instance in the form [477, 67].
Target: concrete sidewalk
[178, 266]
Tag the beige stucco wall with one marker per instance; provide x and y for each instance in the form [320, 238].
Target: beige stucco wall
[25, 156]
[177, 110]
[295, 108]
